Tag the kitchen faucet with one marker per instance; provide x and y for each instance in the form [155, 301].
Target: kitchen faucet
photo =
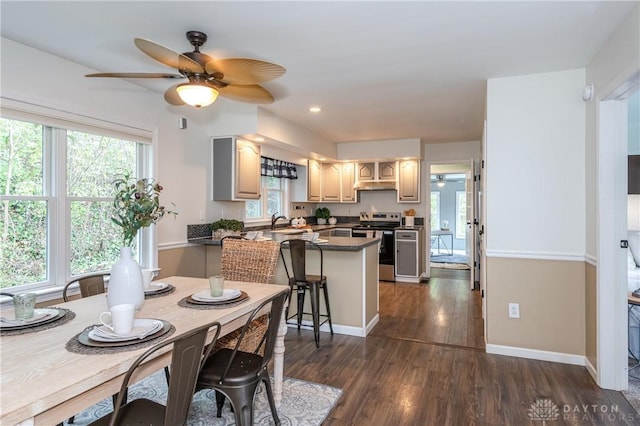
[274, 219]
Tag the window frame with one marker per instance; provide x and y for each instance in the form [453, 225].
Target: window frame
[435, 221]
[285, 194]
[55, 124]
[461, 224]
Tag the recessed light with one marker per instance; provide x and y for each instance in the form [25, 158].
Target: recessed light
[315, 109]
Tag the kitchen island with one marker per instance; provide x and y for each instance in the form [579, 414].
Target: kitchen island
[351, 268]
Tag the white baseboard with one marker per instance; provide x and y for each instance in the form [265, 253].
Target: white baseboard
[372, 323]
[591, 369]
[337, 329]
[537, 354]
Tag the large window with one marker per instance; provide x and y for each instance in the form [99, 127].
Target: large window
[55, 207]
[273, 200]
[461, 214]
[435, 210]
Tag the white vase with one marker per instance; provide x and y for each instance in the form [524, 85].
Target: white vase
[125, 282]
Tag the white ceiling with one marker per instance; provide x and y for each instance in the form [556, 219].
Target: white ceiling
[379, 70]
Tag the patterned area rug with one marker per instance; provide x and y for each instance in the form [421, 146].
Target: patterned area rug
[303, 403]
[455, 261]
[633, 394]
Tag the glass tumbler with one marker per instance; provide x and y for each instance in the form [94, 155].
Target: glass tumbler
[23, 305]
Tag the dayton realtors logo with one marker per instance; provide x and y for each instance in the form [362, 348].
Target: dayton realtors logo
[545, 410]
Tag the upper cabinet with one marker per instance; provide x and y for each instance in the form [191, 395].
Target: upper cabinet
[314, 177]
[376, 171]
[236, 169]
[331, 182]
[366, 171]
[347, 179]
[408, 181]
[387, 170]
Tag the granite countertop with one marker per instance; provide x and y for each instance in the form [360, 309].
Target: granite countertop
[334, 244]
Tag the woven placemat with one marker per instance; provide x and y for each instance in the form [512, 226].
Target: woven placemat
[74, 345]
[68, 316]
[185, 304]
[170, 289]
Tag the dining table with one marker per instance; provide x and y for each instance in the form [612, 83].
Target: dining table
[44, 383]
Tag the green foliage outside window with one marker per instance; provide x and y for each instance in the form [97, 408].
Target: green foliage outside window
[42, 189]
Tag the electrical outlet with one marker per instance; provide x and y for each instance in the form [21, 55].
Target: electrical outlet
[514, 310]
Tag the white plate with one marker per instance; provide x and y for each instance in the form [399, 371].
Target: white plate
[39, 315]
[227, 294]
[141, 328]
[156, 286]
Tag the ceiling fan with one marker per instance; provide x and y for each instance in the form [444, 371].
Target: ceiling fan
[234, 78]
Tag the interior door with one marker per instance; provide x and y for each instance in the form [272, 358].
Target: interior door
[482, 243]
[470, 234]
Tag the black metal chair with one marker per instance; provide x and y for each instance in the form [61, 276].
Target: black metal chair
[236, 375]
[188, 355]
[89, 286]
[301, 282]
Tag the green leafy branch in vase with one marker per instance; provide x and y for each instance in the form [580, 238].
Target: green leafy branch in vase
[136, 205]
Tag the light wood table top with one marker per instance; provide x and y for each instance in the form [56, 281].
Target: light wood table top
[43, 383]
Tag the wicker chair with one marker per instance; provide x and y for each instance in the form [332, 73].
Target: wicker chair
[248, 261]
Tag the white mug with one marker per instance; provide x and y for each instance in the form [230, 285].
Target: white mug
[147, 276]
[121, 318]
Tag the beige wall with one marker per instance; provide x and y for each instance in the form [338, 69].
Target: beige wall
[552, 305]
[186, 261]
[591, 318]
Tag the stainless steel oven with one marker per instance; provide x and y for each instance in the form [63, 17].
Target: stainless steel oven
[381, 225]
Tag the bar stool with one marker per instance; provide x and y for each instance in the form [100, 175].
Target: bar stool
[300, 282]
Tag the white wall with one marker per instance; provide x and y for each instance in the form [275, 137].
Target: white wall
[614, 63]
[535, 167]
[380, 149]
[32, 76]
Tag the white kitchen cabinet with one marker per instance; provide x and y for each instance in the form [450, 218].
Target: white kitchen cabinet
[314, 181]
[347, 179]
[337, 182]
[386, 170]
[236, 169]
[376, 171]
[366, 171]
[408, 181]
[331, 182]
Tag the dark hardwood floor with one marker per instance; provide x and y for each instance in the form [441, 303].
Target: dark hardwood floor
[425, 364]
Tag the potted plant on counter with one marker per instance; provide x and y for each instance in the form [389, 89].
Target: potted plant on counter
[224, 227]
[322, 214]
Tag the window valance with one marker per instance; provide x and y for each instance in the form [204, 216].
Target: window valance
[278, 168]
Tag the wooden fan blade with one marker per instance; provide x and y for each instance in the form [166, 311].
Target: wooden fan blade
[172, 97]
[134, 75]
[244, 71]
[252, 93]
[168, 56]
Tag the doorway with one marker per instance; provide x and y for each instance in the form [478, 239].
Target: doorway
[451, 226]
[612, 231]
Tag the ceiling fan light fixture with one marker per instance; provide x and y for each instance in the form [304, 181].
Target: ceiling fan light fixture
[197, 95]
[441, 182]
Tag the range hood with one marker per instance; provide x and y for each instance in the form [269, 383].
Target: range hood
[375, 185]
